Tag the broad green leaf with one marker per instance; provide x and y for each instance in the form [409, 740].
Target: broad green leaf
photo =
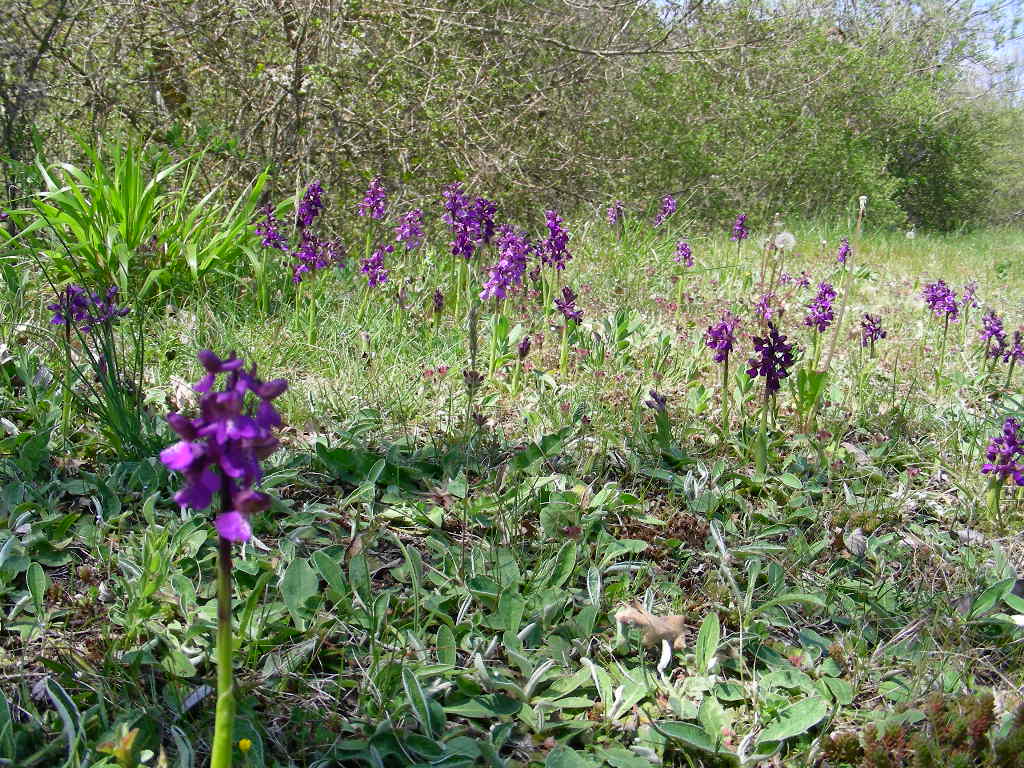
[329, 570]
[37, 583]
[840, 690]
[186, 753]
[708, 638]
[567, 757]
[69, 716]
[6, 729]
[487, 706]
[565, 562]
[790, 598]
[510, 610]
[692, 736]
[445, 645]
[795, 719]
[417, 699]
[594, 586]
[987, 600]
[712, 716]
[792, 481]
[359, 578]
[298, 587]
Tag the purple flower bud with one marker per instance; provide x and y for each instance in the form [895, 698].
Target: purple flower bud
[668, 207]
[1014, 352]
[739, 229]
[684, 255]
[269, 229]
[567, 305]
[555, 250]
[74, 307]
[233, 526]
[871, 330]
[221, 449]
[523, 348]
[844, 251]
[513, 251]
[721, 336]
[1005, 454]
[310, 206]
[658, 402]
[992, 334]
[941, 299]
[409, 231]
[774, 360]
[374, 202]
[763, 308]
[373, 267]
[615, 212]
[820, 314]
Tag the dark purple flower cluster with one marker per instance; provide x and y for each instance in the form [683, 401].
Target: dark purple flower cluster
[941, 300]
[776, 357]
[668, 207]
[373, 267]
[314, 254]
[871, 330]
[684, 254]
[721, 336]
[513, 251]
[375, 201]
[615, 212]
[1005, 454]
[658, 402]
[739, 229]
[555, 249]
[269, 229]
[471, 224]
[844, 250]
[220, 451]
[409, 231]
[310, 206]
[820, 314]
[438, 301]
[992, 334]
[75, 307]
[523, 348]
[567, 305]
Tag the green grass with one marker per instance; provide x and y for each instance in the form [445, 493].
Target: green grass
[440, 578]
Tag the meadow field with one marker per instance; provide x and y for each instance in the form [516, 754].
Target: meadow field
[463, 489]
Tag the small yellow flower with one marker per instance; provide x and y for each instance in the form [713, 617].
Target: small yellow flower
[245, 745]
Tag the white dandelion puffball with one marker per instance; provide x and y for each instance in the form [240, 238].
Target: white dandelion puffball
[784, 241]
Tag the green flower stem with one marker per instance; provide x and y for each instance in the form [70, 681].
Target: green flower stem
[563, 360]
[942, 352]
[220, 756]
[492, 360]
[995, 489]
[761, 446]
[680, 284]
[725, 399]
